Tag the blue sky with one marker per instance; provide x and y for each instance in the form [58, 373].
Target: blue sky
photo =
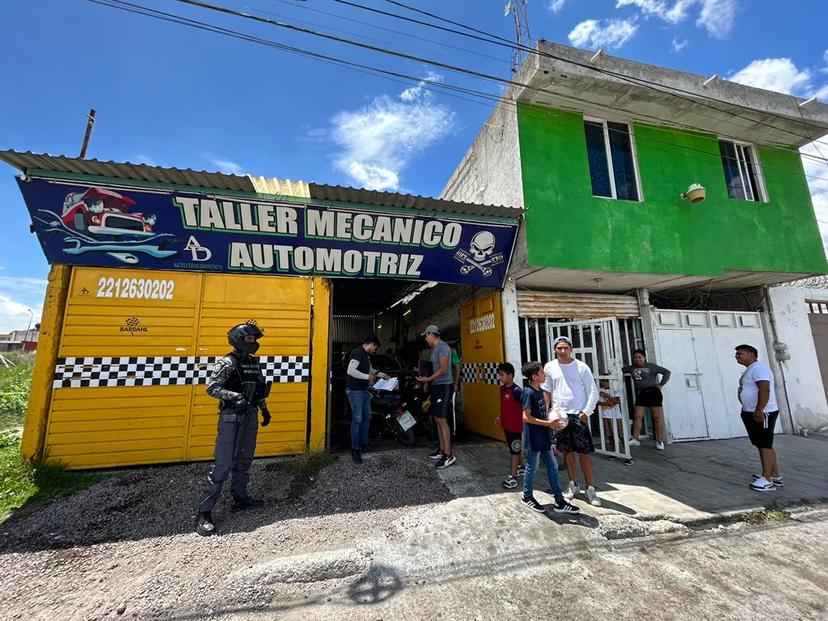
[172, 96]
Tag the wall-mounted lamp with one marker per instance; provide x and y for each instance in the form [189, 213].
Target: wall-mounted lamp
[695, 194]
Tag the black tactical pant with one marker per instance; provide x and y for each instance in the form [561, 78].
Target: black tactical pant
[229, 460]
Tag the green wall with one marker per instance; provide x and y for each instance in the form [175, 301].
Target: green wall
[567, 227]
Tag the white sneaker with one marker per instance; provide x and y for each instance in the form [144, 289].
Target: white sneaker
[659, 446]
[762, 485]
[634, 442]
[592, 497]
[572, 490]
[777, 481]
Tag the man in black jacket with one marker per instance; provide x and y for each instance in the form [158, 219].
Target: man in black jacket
[237, 381]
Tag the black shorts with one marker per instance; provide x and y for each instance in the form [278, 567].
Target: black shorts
[514, 440]
[760, 436]
[649, 398]
[441, 400]
[575, 437]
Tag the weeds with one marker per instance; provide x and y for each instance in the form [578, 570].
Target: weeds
[23, 482]
[308, 463]
[763, 516]
[15, 384]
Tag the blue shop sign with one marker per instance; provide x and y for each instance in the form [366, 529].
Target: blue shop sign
[111, 226]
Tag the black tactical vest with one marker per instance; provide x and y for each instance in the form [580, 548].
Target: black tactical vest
[247, 371]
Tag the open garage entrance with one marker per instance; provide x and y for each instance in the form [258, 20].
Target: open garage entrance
[397, 312]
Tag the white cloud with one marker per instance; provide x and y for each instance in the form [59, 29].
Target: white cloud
[715, 16]
[17, 296]
[141, 158]
[677, 46]
[609, 33]
[376, 142]
[556, 5]
[226, 166]
[774, 74]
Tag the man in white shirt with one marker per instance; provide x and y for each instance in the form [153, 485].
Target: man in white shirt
[570, 388]
[759, 413]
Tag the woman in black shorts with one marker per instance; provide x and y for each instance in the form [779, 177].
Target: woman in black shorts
[647, 395]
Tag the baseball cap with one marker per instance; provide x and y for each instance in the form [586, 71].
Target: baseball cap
[562, 339]
[432, 329]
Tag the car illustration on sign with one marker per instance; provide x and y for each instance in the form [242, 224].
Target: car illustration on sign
[105, 214]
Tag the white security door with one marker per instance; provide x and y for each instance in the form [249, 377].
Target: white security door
[684, 405]
[597, 343]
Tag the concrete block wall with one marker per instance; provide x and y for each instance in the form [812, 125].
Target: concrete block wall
[490, 171]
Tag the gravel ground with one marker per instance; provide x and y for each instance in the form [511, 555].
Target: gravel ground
[126, 547]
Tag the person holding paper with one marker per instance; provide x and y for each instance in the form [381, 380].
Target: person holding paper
[360, 375]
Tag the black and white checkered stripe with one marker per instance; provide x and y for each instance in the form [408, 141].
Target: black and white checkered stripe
[468, 373]
[103, 371]
[488, 373]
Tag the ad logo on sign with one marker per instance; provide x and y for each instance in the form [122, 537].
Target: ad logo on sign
[133, 325]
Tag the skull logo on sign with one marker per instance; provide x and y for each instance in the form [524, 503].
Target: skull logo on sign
[482, 245]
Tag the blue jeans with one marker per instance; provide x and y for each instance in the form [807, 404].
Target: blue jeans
[360, 416]
[551, 471]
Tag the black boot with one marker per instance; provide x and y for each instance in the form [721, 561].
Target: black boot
[204, 524]
[356, 455]
[242, 504]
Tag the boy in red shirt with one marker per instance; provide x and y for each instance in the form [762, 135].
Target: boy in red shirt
[511, 419]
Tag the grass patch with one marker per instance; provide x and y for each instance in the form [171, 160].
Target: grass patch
[764, 516]
[15, 384]
[308, 463]
[23, 482]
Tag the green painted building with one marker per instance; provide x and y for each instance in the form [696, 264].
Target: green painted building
[660, 206]
[600, 150]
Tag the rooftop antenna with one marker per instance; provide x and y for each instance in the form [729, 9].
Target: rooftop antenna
[90, 121]
[519, 11]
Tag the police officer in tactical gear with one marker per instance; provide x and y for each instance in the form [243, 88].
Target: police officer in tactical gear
[237, 381]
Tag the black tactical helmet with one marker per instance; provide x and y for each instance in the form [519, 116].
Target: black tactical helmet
[236, 337]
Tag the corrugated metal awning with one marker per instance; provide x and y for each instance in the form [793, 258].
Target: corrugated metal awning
[362, 196]
[27, 162]
[557, 304]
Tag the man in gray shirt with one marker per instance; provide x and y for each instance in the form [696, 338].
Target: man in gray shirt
[647, 395]
[441, 382]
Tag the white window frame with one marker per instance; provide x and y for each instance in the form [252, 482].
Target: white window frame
[742, 165]
[608, 154]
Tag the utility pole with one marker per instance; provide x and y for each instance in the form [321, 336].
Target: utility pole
[520, 12]
[90, 121]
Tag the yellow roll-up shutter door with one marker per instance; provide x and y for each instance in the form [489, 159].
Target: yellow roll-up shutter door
[136, 349]
[481, 336]
[281, 307]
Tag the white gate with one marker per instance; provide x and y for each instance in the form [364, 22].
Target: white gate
[597, 343]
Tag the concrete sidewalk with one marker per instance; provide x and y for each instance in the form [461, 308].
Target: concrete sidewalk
[688, 481]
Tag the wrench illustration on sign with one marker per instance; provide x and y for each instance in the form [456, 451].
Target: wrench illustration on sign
[484, 266]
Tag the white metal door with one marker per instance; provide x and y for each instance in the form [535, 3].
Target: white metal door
[686, 416]
[597, 343]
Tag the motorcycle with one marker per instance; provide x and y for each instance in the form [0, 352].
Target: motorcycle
[400, 410]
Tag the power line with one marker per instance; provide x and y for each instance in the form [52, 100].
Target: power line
[435, 63]
[497, 40]
[391, 30]
[396, 76]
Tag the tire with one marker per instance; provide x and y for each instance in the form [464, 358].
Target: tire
[407, 438]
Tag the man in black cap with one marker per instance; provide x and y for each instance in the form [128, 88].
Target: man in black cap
[441, 388]
[237, 381]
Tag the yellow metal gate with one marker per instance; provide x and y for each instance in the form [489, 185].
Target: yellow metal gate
[481, 324]
[136, 349]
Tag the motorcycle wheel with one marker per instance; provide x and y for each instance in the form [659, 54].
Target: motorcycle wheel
[407, 438]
